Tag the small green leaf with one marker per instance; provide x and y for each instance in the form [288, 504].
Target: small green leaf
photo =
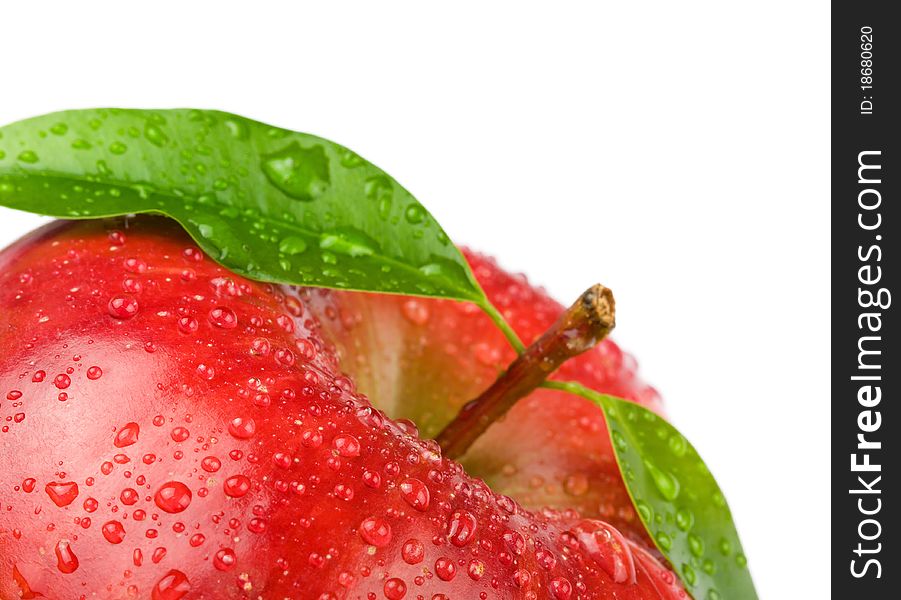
[268, 203]
[678, 500]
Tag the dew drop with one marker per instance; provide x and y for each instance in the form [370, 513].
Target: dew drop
[372, 479]
[576, 484]
[236, 486]
[129, 497]
[545, 559]
[664, 540]
[415, 493]
[347, 445]
[135, 265]
[224, 559]
[28, 156]
[445, 569]
[666, 483]
[462, 528]
[66, 561]
[515, 542]
[210, 464]
[187, 324]
[127, 436]
[173, 497]
[300, 173]
[206, 371]
[122, 307]
[375, 531]
[414, 214]
[113, 532]
[242, 429]
[353, 243]
[606, 546]
[395, 589]
[155, 135]
[475, 569]
[292, 245]
[684, 519]
[223, 317]
[62, 494]
[415, 311]
[174, 585]
[561, 589]
[412, 552]
[378, 189]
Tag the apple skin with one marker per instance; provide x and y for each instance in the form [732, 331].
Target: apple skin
[423, 358]
[170, 430]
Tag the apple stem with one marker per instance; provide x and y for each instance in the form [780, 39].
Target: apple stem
[580, 328]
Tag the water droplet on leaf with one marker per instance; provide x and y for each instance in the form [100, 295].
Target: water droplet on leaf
[301, 173]
[292, 245]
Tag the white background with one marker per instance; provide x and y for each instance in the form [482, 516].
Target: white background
[675, 151]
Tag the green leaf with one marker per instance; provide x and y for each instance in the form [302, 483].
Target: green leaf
[677, 498]
[268, 203]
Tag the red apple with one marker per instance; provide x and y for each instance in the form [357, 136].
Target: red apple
[170, 430]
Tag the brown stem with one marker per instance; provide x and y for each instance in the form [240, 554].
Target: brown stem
[583, 325]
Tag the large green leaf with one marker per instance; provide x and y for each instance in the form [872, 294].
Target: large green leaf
[677, 498]
[268, 203]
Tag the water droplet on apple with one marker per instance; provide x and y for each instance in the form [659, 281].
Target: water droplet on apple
[113, 532]
[462, 527]
[187, 324]
[415, 493]
[607, 547]
[561, 588]
[127, 436]
[225, 559]
[241, 428]
[346, 445]
[375, 531]
[122, 307]
[416, 311]
[395, 589]
[412, 551]
[210, 464]
[445, 569]
[62, 494]
[129, 497]
[174, 585]
[66, 561]
[236, 486]
[173, 497]
[223, 317]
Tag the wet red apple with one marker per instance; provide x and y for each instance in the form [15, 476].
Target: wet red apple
[170, 430]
